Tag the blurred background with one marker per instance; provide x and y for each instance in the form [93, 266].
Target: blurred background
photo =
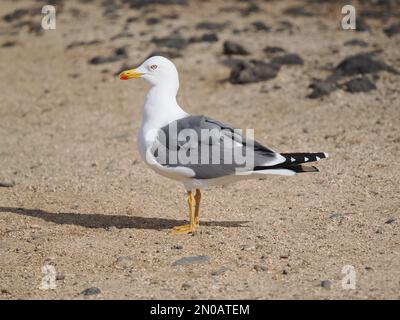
[70, 171]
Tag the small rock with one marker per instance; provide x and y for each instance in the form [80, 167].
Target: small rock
[123, 262]
[361, 25]
[243, 72]
[187, 285]
[298, 11]
[170, 54]
[258, 267]
[211, 26]
[15, 15]
[273, 50]
[8, 44]
[391, 220]
[260, 26]
[220, 271]
[7, 184]
[119, 54]
[362, 63]
[142, 3]
[208, 37]
[191, 260]
[326, 284]
[231, 47]
[60, 276]
[285, 272]
[172, 41]
[152, 21]
[290, 59]
[321, 88]
[392, 30]
[356, 42]
[177, 247]
[112, 229]
[247, 247]
[91, 291]
[359, 85]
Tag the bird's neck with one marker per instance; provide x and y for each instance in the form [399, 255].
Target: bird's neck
[161, 107]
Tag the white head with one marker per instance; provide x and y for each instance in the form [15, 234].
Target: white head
[157, 70]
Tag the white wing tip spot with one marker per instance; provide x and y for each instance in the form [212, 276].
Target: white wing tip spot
[305, 159]
[292, 159]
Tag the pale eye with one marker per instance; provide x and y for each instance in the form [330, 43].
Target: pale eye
[153, 67]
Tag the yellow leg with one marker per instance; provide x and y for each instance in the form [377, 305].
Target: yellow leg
[191, 227]
[197, 197]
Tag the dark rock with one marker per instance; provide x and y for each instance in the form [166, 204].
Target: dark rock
[7, 184]
[143, 3]
[291, 59]
[391, 220]
[298, 11]
[172, 41]
[273, 50]
[123, 34]
[177, 247]
[215, 26]
[356, 42]
[170, 54]
[82, 43]
[191, 260]
[231, 47]
[261, 26]
[321, 88]
[119, 54]
[15, 15]
[361, 25]
[208, 37]
[91, 291]
[251, 8]
[8, 44]
[252, 71]
[392, 30]
[359, 85]
[326, 284]
[362, 63]
[152, 21]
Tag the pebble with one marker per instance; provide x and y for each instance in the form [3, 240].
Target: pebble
[220, 271]
[326, 284]
[119, 54]
[7, 184]
[230, 47]
[290, 59]
[172, 41]
[392, 30]
[359, 85]
[177, 247]
[391, 220]
[60, 276]
[258, 268]
[321, 88]
[248, 247]
[243, 72]
[191, 260]
[187, 285]
[91, 291]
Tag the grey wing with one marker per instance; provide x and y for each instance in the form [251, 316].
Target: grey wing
[210, 148]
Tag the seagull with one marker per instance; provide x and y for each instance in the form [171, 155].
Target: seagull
[202, 156]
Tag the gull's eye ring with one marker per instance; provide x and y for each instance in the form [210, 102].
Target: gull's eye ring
[153, 67]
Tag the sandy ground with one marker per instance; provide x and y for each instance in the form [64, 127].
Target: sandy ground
[85, 203]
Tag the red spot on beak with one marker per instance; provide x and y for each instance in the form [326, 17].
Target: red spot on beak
[123, 77]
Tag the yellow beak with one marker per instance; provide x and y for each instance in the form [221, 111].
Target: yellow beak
[130, 74]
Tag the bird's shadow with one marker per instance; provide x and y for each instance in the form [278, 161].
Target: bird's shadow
[98, 220]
